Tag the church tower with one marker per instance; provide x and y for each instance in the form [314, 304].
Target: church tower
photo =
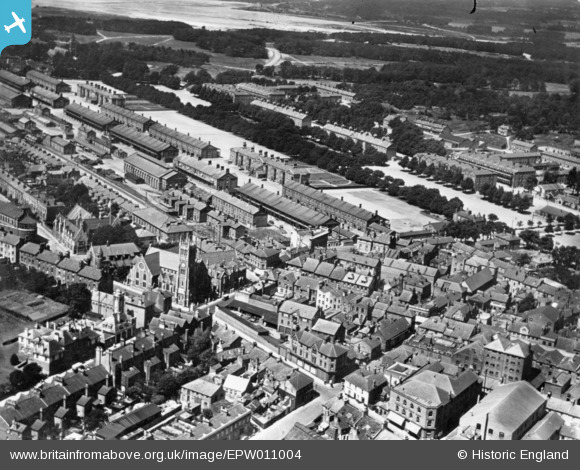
[185, 271]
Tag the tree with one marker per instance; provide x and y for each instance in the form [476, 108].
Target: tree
[17, 380]
[467, 185]
[549, 228]
[530, 183]
[524, 204]
[117, 234]
[524, 259]
[527, 303]
[207, 413]
[167, 385]
[95, 418]
[404, 162]
[199, 342]
[569, 222]
[14, 361]
[550, 177]
[492, 217]
[485, 187]
[78, 297]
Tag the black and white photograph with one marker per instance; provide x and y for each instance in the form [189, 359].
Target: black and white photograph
[291, 220]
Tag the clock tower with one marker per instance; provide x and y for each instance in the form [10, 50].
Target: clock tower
[185, 271]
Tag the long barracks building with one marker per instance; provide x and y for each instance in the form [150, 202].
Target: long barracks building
[49, 97]
[100, 94]
[347, 214]
[244, 212]
[144, 143]
[99, 121]
[283, 208]
[14, 81]
[215, 176]
[272, 167]
[127, 117]
[56, 85]
[184, 142]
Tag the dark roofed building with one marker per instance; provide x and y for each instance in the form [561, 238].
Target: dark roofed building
[144, 143]
[347, 214]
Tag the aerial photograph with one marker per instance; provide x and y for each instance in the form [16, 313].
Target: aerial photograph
[290, 220]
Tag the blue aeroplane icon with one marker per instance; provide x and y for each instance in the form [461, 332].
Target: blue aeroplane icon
[16, 17]
[17, 22]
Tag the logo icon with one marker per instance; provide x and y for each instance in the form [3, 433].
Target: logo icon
[17, 22]
[15, 16]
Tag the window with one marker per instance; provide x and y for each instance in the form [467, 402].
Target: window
[490, 432]
[501, 435]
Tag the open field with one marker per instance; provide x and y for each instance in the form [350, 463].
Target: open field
[472, 202]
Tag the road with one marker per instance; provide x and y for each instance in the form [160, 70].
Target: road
[274, 57]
